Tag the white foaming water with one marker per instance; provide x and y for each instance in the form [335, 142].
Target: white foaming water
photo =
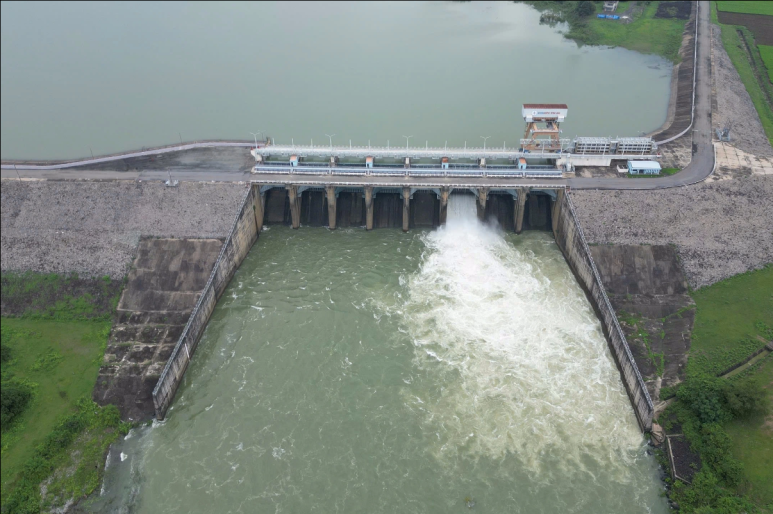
[523, 364]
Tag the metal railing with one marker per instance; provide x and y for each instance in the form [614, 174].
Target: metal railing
[608, 304]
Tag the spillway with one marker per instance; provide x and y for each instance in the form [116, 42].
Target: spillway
[356, 371]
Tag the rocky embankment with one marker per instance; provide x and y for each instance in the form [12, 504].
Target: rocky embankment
[93, 228]
[720, 228]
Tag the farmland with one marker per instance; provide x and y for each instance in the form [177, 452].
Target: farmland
[766, 52]
[746, 7]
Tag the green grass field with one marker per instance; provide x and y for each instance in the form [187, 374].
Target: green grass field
[753, 442]
[729, 317]
[56, 328]
[766, 52]
[645, 34]
[746, 7]
[62, 359]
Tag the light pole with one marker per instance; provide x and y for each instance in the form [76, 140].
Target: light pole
[17, 172]
[407, 138]
[484, 141]
[255, 135]
[331, 139]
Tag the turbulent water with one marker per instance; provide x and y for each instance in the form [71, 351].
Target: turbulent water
[354, 371]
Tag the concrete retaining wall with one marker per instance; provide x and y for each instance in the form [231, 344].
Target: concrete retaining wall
[570, 239]
[241, 238]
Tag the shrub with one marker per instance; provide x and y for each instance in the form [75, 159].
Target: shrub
[14, 398]
[5, 353]
[716, 453]
[585, 8]
[705, 396]
[745, 398]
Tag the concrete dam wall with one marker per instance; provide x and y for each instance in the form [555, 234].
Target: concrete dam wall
[571, 240]
[243, 235]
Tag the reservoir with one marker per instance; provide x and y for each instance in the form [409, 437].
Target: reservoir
[427, 372]
[91, 77]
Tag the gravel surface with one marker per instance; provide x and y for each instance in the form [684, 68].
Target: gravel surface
[720, 229]
[92, 228]
[734, 106]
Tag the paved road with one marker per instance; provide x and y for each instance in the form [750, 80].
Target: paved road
[700, 167]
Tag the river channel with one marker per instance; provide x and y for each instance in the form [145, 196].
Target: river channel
[354, 371]
[103, 77]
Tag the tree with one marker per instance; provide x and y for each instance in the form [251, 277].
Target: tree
[745, 398]
[585, 8]
[14, 397]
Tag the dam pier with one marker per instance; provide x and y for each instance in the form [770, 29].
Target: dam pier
[404, 207]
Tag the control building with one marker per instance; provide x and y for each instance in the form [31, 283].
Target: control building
[543, 131]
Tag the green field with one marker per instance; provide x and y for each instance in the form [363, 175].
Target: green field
[62, 359]
[729, 317]
[753, 442]
[747, 7]
[56, 347]
[766, 52]
[645, 34]
[728, 421]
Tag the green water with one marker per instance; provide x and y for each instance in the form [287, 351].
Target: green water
[79, 77]
[354, 371]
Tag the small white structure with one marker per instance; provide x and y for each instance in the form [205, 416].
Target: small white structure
[544, 112]
[643, 168]
[293, 161]
[369, 162]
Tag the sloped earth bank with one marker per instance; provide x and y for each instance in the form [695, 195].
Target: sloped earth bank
[734, 107]
[720, 228]
[93, 228]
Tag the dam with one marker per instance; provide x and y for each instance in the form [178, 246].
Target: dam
[445, 368]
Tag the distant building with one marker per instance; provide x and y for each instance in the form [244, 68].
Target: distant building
[610, 6]
[643, 168]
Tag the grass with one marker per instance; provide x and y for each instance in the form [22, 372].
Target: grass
[746, 7]
[729, 316]
[61, 359]
[766, 52]
[59, 297]
[644, 34]
[752, 443]
[738, 457]
[735, 40]
[57, 340]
